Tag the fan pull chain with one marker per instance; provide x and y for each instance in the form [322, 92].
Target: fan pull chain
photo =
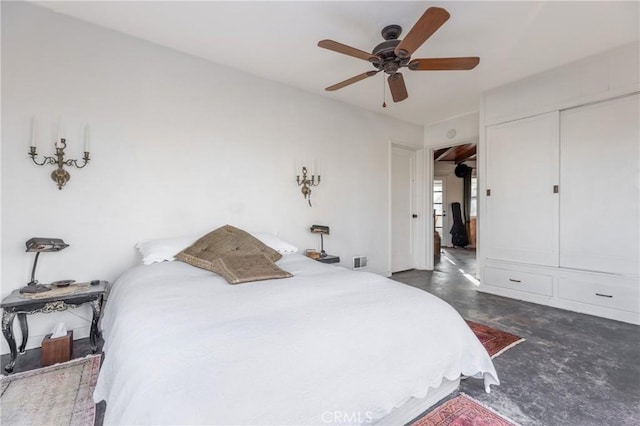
[384, 94]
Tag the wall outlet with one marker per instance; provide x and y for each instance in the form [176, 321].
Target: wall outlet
[360, 262]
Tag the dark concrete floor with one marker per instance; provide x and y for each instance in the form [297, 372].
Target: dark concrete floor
[573, 369]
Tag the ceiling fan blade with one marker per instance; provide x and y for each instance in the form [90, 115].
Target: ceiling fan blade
[398, 88]
[347, 50]
[443, 64]
[351, 80]
[428, 24]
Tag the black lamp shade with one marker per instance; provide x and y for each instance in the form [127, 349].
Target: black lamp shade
[319, 229]
[40, 244]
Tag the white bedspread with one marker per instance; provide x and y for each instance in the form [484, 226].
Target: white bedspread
[182, 346]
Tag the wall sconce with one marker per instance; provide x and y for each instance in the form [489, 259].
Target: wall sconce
[60, 176]
[40, 245]
[307, 183]
[322, 230]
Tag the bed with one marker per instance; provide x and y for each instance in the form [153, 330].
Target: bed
[326, 346]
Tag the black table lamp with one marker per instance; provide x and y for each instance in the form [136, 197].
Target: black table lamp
[322, 230]
[39, 245]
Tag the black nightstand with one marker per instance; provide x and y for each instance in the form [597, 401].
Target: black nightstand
[51, 301]
[329, 259]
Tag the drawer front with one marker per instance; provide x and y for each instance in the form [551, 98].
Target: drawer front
[521, 281]
[606, 292]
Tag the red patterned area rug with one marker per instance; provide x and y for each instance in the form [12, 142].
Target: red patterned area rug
[463, 411]
[495, 341]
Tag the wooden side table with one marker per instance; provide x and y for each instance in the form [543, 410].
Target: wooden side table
[56, 300]
[329, 259]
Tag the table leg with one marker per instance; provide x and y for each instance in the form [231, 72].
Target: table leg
[96, 306]
[24, 327]
[7, 330]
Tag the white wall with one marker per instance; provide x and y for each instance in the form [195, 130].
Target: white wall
[466, 129]
[603, 76]
[178, 145]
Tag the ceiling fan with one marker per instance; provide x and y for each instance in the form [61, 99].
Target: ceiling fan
[393, 54]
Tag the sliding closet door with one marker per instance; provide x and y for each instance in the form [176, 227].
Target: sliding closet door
[599, 204]
[522, 208]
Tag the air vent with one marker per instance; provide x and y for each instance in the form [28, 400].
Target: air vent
[360, 262]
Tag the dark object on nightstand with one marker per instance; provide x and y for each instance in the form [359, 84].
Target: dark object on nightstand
[20, 305]
[329, 259]
[322, 230]
[57, 350]
[63, 283]
[39, 245]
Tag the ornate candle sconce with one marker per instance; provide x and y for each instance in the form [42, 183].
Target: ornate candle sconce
[60, 176]
[307, 183]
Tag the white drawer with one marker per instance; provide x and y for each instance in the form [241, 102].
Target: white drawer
[601, 291]
[521, 281]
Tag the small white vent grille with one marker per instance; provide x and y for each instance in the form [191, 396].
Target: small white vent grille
[360, 262]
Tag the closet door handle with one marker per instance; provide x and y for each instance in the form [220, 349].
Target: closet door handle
[514, 281]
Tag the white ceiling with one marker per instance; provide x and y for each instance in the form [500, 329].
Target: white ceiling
[277, 41]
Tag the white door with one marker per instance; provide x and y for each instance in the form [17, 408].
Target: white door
[599, 202]
[522, 205]
[403, 175]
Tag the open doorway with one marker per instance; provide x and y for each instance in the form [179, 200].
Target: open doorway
[440, 209]
[455, 181]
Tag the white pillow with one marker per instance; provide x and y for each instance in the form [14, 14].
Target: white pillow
[164, 249]
[275, 243]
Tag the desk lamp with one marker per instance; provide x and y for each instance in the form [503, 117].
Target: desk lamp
[39, 245]
[322, 230]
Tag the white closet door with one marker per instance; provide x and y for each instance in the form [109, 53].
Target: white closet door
[599, 191]
[522, 208]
